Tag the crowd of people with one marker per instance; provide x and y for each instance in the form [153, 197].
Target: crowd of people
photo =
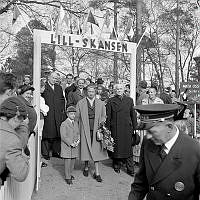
[71, 112]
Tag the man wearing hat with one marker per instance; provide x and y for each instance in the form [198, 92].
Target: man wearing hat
[70, 139]
[169, 160]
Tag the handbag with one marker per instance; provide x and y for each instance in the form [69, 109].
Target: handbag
[135, 139]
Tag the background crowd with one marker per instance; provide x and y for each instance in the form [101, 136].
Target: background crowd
[84, 105]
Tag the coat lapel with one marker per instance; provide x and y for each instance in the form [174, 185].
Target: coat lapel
[153, 157]
[171, 163]
[49, 88]
[85, 119]
[97, 112]
[117, 103]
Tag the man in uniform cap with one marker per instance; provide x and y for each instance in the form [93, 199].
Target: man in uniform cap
[169, 160]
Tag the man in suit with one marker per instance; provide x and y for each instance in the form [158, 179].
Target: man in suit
[54, 98]
[78, 94]
[169, 160]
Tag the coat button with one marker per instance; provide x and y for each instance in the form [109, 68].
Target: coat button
[168, 195]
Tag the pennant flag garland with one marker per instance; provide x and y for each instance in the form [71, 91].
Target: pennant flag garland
[16, 13]
[91, 19]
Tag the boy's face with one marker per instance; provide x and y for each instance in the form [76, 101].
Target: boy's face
[71, 115]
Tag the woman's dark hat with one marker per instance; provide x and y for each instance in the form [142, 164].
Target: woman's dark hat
[152, 113]
[71, 109]
[13, 106]
[24, 88]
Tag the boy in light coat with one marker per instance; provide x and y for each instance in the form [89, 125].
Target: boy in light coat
[69, 143]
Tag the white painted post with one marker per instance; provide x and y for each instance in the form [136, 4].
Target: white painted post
[133, 74]
[195, 120]
[36, 84]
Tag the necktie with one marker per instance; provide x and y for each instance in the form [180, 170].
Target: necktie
[162, 153]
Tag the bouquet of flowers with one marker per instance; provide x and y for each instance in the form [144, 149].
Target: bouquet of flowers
[104, 136]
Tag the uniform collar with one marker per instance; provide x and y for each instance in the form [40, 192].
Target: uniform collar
[171, 142]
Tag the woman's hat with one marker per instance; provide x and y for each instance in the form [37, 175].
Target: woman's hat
[13, 106]
[71, 109]
[24, 88]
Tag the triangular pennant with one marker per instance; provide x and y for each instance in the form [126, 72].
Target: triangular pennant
[60, 20]
[16, 13]
[113, 35]
[91, 19]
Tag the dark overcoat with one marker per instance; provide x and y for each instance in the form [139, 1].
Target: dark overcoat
[75, 96]
[121, 120]
[176, 178]
[56, 115]
[90, 150]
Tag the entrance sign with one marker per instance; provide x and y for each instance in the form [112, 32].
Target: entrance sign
[78, 41]
[192, 88]
[88, 42]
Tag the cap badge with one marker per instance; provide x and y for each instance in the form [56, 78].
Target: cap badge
[179, 186]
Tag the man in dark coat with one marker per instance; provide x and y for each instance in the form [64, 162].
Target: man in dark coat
[70, 86]
[169, 160]
[54, 98]
[121, 120]
[78, 94]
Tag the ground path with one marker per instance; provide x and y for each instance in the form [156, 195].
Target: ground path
[53, 187]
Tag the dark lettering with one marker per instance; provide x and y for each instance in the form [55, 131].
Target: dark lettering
[100, 45]
[70, 41]
[58, 39]
[92, 43]
[113, 45]
[64, 41]
[85, 41]
[118, 46]
[52, 40]
[107, 45]
[124, 47]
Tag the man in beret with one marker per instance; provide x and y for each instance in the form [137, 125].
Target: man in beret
[12, 157]
[169, 160]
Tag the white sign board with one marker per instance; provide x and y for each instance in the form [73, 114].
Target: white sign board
[88, 42]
